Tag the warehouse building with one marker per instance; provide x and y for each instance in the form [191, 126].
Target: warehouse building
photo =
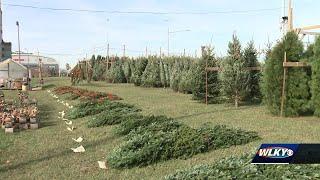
[50, 67]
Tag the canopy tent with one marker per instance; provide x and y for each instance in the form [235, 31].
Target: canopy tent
[10, 69]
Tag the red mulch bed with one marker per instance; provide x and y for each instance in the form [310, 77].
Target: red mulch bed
[85, 94]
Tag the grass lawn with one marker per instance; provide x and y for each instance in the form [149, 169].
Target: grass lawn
[45, 153]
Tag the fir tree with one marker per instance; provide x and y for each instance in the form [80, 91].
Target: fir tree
[199, 77]
[163, 76]
[151, 75]
[127, 69]
[250, 57]
[187, 79]
[139, 68]
[116, 73]
[175, 76]
[297, 90]
[315, 83]
[234, 76]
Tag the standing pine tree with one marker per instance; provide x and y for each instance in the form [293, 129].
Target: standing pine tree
[250, 57]
[199, 78]
[127, 69]
[163, 74]
[315, 83]
[297, 90]
[151, 75]
[116, 73]
[140, 65]
[234, 76]
[176, 75]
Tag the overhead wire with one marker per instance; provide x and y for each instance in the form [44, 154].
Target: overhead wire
[144, 12]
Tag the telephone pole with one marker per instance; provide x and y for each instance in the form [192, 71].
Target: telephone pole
[124, 50]
[108, 47]
[19, 54]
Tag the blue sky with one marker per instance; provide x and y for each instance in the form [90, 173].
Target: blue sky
[73, 35]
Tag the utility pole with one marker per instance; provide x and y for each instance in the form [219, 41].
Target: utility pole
[184, 52]
[19, 53]
[108, 49]
[124, 50]
[146, 51]
[168, 42]
[290, 17]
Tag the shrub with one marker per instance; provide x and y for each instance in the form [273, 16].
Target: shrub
[114, 113]
[129, 125]
[87, 108]
[169, 139]
[241, 168]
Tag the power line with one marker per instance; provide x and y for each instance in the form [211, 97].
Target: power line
[144, 12]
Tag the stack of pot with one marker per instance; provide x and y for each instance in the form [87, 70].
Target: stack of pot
[13, 118]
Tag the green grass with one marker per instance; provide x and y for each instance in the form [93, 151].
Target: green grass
[46, 154]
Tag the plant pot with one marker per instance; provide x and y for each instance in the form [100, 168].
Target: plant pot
[34, 126]
[22, 120]
[8, 130]
[33, 120]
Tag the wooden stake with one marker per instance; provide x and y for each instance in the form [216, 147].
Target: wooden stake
[283, 85]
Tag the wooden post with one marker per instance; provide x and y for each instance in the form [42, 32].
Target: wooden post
[40, 70]
[283, 85]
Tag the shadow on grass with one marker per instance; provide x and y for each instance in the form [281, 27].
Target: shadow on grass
[211, 112]
[46, 113]
[48, 86]
[93, 84]
[55, 154]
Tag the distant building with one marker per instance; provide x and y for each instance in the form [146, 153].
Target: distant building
[5, 47]
[50, 67]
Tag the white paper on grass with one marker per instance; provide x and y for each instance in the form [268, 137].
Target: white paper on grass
[70, 128]
[79, 140]
[102, 164]
[79, 149]
[69, 123]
